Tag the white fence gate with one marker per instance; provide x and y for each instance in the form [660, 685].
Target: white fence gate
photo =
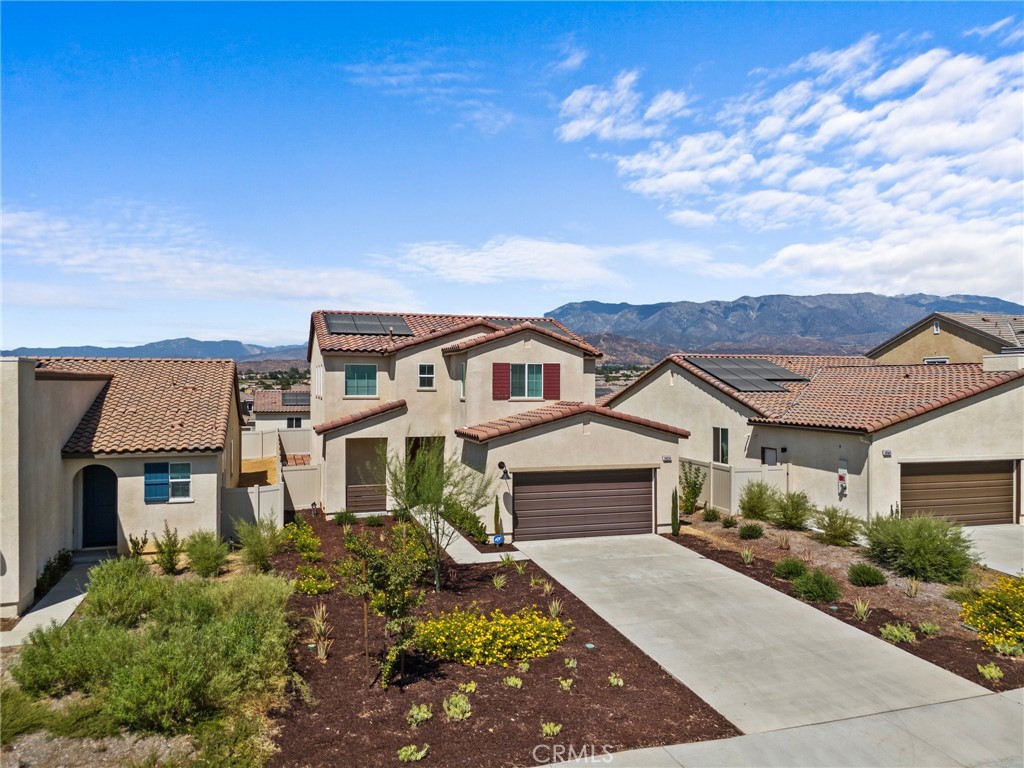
[258, 502]
[723, 483]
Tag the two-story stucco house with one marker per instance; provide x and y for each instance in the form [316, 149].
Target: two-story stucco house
[515, 391]
[952, 337]
[280, 409]
[94, 450]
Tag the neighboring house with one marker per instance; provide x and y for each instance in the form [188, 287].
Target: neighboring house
[96, 449]
[280, 409]
[936, 439]
[515, 391]
[947, 337]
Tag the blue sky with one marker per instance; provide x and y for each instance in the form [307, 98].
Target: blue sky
[220, 170]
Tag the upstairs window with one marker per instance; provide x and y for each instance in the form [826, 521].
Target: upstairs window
[720, 445]
[936, 360]
[426, 377]
[167, 481]
[527, 380]
[360, 381]
[935, 327]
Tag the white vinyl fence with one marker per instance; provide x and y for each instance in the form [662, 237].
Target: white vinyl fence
[301, 484]
[723, 483]
[249, 505]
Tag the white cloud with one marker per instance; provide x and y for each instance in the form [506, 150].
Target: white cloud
[572, 56]
[145, 249]
[893, 160]
[618, 113]
[991, 29]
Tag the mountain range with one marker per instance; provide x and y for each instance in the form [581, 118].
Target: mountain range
[642, 334]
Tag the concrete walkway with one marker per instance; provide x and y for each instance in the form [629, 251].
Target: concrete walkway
[1000, 547]
[57, 606]
[762, 659]
[464, 553]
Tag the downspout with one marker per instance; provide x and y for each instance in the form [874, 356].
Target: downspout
[867, 472]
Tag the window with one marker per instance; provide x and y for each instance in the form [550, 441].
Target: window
[360, 381]
[527, 380]
[936, 360]
[168, 481]
[462, 380]
[769, 457]
[720, 445]
[426, 376]
[294, 422]
[935, 327]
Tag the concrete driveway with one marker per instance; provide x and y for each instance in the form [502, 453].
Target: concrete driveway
[761, 658]
[1000, 547]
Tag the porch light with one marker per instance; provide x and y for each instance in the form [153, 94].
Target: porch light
[504, 471]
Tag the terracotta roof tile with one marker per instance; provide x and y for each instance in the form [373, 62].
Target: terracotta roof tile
[269, 401]
[1007, 328]
[523, 327]
[552, 412]
[424, 328]
[869, 398]
[354, 418]
[150, 405]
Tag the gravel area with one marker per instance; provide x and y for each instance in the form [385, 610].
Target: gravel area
[39, 749]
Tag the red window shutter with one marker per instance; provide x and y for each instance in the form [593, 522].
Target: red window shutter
[552, 381]
[501, 381]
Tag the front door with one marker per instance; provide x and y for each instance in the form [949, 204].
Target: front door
[99, 507]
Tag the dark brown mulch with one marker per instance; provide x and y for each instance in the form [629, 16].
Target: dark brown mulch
[956, 648]
[354, 723]
[490, 549]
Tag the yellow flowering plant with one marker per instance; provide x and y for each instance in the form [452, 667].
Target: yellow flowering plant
[997, 613]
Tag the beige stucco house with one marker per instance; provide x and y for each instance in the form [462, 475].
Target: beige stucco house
[952, 337]
[516, 391]
[946, 440]
[280, 409]
[96, 449]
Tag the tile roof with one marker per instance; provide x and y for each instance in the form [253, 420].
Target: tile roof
[511, 330]
[150, 405]
[354, 418]
[1007, 328]
[424, 328]
[269, 401]
[762, 403]
[552, 412]
[869, 398]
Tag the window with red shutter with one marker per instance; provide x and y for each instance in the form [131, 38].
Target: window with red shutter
[552, 381]
[501, 381]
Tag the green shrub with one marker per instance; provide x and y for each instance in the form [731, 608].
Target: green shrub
[757, 500]
[925, 548]
[307, 543]
[929, 628]
[816, 587]
[313, 580]
[998, 614]
[82, 655]
[837, 527]
[137, 544]
[189, 602]
[792, 511]
[790, 568]
[728, 521]
[897, 633]
[411, 753]
[864, 575]
[469, 523]
[751, 531]
[122, 591]
[990, 671]
[260, 541]
[21, 714]
[963, 594]
[457, 707]
[168, 550]
[469, 637]
[54, 571]
[207, 553]
[692, 480]
[79, 720]
[374, 521]
[674, 517]
[419, 713]
[345, 517]
[711, 515]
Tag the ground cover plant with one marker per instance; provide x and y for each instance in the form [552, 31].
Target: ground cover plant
[349, 719]
[997, 613]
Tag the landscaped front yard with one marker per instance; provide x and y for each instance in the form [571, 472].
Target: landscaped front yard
[350, 720]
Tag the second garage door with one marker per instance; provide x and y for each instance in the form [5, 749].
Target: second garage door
[555, 505]
[968, 492]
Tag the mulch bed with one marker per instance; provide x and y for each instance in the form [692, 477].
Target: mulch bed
[490, 549]
[955, 649]
[353, 722]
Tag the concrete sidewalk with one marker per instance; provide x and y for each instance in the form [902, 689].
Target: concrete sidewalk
[56, 606]
[1000, 547]
[762, 659]
[970, 733]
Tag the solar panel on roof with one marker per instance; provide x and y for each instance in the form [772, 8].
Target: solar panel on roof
[396, 324]
[745, 374]
[340, 324]
[295, 398]
[368, 325]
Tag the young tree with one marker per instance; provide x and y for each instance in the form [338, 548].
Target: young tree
[424, 483]
[693, 478]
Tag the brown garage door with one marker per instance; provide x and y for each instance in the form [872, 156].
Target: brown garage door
[557, 505]
[970, 492]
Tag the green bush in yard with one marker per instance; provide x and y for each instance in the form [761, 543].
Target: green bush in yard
[168, 550]
[122, 591]
[817, 587]
[711, 515]
[792, 511]
[260, 541]
[54, 571]
[345, 517]
[837, 527]
[864, 575]
[466, 521]
[790, 568]
[207, 553]
[751, 531]
[757, 500]
[926, 548]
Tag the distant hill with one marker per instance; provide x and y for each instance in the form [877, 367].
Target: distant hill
[623, 350]
[186, 348]
[826, 324]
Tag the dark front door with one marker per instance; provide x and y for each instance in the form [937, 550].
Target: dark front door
[99, 507]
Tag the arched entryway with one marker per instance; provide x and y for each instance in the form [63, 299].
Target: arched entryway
[99, 507]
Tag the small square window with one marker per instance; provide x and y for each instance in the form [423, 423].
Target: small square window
[360, 380]
[294, 422]
[426, 378]
[935, 327]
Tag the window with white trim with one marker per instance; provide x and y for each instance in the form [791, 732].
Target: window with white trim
[167, 481]
[935, 327]
[294, 422]
[360, 380]
[426, 376]
[462, 380]
[720, 445]
[936, 360]
[527, 380]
